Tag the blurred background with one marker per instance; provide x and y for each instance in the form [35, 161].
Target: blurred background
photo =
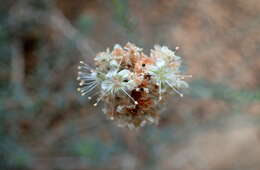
[46, 125]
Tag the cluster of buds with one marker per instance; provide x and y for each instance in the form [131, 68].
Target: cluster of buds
[132, 85]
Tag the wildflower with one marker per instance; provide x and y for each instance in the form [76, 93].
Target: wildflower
[118, 51]
[118, 82]
[165, 53]
[132, 84]
[103, 56]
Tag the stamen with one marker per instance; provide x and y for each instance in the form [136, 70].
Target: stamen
[84, 83]
[81, 77]
[129, 96]
[101, 97]
[184, 76]
[181, 95]
[88, 89]
[83, 94]
[85, 68]
[83, 63]
[160, 91]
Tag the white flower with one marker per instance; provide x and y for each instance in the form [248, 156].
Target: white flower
[117, 46]
[160, 70]
[132, 47]
[103, 56]
[118, 52]
[157, 66]
[164, 53]
[165, 75]
[117, 82]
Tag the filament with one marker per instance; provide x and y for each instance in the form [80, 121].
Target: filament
[129, 96]
[101, 97]
[160, 90]
[174, 89]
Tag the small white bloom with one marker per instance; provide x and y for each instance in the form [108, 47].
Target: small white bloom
[103, 56]
[156, 67]
[166, 76]
[117, 46]
[130, 46]
[118, 82]
[164, 53]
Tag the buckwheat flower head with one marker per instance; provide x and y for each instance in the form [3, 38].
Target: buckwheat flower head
[130, 84]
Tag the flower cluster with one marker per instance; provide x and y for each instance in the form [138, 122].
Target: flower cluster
[132, 85]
